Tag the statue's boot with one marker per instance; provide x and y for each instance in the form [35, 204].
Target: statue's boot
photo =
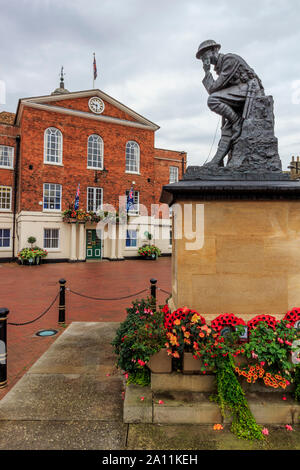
[236, 129]
[232, 118]
[223, 149]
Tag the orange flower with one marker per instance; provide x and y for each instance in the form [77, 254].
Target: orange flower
[218, 427]
[177, 321]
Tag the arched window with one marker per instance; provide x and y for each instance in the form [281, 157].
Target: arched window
[53, 146]
[95, 152]
[132, 157]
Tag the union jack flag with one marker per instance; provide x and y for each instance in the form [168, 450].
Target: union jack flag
[95, 67]
[76, 204]
[130, 200]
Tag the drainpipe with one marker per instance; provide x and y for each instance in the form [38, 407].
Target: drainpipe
[16, 181]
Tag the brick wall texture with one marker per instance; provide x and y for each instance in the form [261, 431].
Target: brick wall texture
[154, 172]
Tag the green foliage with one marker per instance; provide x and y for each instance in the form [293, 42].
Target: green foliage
[272, 347]
[149, 250]
[139, 337]
[140, 377]
[297, 383]
[31, 240]
[231, 398]
[32, 253]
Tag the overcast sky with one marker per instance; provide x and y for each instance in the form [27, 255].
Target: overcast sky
[145, 52]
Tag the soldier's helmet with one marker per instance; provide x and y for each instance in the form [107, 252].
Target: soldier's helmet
[205, 46]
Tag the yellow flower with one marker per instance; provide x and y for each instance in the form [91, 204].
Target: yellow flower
[195, 318]
[177, 322]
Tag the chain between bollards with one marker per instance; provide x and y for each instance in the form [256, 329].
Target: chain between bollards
[62, 302]
[3, 346]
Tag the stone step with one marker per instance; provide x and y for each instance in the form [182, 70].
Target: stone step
[181, 383]
[202, 383]
[197, 408]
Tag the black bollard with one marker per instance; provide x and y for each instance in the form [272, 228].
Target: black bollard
[3, 347]
[62, 302]
[153, 292]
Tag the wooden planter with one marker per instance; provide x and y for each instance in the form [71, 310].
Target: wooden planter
[160, 363]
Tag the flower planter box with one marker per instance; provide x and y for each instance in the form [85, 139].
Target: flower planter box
[190, 364]
[160, 363]
[150, 257]
[35, 261]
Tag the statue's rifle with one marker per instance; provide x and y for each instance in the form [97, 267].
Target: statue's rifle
[251, 93]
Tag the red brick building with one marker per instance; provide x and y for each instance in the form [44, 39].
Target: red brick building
[56, 142]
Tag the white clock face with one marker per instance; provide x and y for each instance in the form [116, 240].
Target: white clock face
[96, 105]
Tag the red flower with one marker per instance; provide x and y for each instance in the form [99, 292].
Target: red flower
[269, 319]
[226, 320]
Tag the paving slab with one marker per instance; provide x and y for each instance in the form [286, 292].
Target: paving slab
[63, 397]
[138, 405]
[62, 435]
[71, 398]
[83, 348]
[203, 437]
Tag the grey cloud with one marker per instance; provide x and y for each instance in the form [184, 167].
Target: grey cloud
[146, 57]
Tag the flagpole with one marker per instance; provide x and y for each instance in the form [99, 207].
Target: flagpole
[93, 72]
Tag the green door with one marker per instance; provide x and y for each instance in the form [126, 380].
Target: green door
[93, 245]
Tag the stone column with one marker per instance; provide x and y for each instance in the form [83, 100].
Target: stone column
[73, 243]
[81, 242]
[113, 248]
[121, 229]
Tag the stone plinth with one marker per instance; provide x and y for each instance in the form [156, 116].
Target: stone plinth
[249, 261]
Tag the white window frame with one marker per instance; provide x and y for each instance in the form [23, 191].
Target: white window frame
[136, 201]
[90, 156]
[173, 178]
[58, 148]
[48, 209]
[132, 147]
[5, 248]
[7, 190]
[10, 156]
[94, 190]
[132, 238]
[51, 239]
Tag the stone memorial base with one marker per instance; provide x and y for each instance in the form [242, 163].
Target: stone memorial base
[249, 262]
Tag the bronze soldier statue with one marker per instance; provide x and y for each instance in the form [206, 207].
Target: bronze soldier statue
[230, 95]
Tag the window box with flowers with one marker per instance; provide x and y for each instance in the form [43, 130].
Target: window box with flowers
[81, 217]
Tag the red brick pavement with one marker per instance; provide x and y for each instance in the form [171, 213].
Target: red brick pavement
[28, 290]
